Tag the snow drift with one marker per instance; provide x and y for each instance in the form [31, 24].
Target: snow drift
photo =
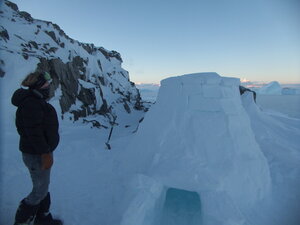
[196, 143]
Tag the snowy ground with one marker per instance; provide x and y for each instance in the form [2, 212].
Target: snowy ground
[285, 104]
[88, 184]
[85, 183]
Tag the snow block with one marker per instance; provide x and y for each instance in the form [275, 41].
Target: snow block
[146, 203]
[212, 91]
[229, 92]
[230, 81]
[200, 103]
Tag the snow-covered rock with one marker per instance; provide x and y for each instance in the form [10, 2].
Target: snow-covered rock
[195, 145]
[272, 88]
[87, 80]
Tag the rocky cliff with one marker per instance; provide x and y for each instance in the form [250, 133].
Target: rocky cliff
[87, 80]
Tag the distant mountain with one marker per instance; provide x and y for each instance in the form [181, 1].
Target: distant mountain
[87, 80]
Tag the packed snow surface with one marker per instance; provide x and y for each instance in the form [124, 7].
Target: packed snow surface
[287, 105]
[203, 155]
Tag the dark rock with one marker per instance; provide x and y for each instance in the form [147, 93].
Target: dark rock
[94, 123]
[242, 90]
[99, 64]
[101, 79]
[25, 56]
[19, 37]
[2, 73]
[34, 44]
[52, 49]
[89, 48]
[116, 55]
[79, 113]
[12, 5]
[46, 45]
[52, 35]
[104, 108]
[126, 107]
[25, 50]
[110, 54]
[55, 26]
[87, 96]
[26, 16]
[79, 63]
[4, 34]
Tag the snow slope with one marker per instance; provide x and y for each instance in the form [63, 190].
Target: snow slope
[278, 136]
[95, 186]
[88, 81]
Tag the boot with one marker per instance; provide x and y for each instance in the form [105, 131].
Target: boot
[47, 219]
[43, 216]
[25, 213]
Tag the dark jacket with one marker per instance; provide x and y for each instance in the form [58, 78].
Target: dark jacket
[36, 122]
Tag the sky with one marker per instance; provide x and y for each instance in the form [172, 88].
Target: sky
[256, 40]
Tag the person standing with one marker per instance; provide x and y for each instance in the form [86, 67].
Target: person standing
[37, 125]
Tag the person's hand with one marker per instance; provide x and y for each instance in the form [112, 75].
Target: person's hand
[47, 161]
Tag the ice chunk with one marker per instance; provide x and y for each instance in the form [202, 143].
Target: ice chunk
[272, 88]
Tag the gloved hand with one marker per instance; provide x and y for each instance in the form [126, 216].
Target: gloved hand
[47, 161]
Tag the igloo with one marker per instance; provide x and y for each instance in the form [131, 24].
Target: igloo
[195, 157]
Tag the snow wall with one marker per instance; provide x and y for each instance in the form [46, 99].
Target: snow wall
[195, 156]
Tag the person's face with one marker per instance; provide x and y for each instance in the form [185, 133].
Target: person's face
[46, 85]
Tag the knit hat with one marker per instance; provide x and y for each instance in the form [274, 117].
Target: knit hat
[36, 80]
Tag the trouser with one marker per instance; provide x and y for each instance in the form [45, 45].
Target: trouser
[38, 201]
[40, 179]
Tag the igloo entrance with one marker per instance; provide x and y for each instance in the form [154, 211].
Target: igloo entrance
[181, 207]
[152, 203]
